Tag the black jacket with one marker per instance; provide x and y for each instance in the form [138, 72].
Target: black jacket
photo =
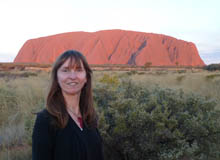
[69, 143]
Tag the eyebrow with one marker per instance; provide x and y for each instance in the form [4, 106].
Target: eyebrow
[74, 67]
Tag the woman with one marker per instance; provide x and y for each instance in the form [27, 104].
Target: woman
[67, 128]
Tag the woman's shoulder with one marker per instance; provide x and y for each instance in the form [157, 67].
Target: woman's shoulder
[44, 117]
[43, 130]
[44, 120]
[43, 114]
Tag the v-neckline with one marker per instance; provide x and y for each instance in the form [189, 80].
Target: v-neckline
[79, 128]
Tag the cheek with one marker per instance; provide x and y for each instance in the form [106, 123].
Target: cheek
[82, 76]
[60, 78]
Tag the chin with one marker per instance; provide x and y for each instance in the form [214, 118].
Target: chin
[72, 92]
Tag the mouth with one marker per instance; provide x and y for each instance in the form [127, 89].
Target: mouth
[72, 83]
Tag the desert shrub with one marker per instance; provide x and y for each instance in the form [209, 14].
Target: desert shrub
[141, 73]
[11, 135]
[33, 104]
[132, 72]
[18, 101]
[147, 64]
[158, 124]
[10, 75]
[180, 78]
[161, 72]
[108, 79]
[181, 71]
[18, 153]
[136, 122]
[212, 67]
[8, 103]
[27, 74]
[212, 76]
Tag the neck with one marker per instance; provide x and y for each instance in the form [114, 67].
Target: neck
[72, 103]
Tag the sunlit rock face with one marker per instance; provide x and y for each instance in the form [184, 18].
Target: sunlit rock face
[113, 47]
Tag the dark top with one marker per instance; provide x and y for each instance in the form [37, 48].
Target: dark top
[70, 143]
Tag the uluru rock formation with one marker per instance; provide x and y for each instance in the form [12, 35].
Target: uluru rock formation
[113, 47]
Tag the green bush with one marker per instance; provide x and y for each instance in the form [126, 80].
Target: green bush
[159, 124]
[181, 71]
[135, 122]
[212, 76]
[212, 67]
[111, 80]
[132, 72]
[141, 73]
[180, 78]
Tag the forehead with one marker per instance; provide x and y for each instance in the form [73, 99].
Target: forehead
[72, 63]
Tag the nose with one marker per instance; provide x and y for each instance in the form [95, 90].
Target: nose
[72, 74]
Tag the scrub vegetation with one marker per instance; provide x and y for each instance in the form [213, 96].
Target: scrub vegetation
[157, 115]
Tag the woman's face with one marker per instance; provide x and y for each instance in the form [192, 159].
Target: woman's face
[71, 77]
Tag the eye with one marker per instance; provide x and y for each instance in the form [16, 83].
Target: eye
[64, 70]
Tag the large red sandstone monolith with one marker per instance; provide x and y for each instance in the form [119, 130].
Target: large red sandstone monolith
[113, 47]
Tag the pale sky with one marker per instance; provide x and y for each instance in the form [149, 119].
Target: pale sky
[197, 21]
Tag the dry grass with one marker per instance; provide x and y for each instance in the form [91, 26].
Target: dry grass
[188, 81]
[20, 96]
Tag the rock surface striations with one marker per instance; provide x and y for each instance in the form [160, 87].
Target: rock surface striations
[113, 47]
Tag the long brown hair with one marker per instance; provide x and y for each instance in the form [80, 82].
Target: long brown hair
[56, 104]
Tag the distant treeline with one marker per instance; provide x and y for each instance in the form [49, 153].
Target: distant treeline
[24, 66]
[34, 66]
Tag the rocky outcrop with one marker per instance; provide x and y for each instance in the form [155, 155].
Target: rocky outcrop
[113, 47]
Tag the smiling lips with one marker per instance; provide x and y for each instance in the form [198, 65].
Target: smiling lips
[72, 83]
